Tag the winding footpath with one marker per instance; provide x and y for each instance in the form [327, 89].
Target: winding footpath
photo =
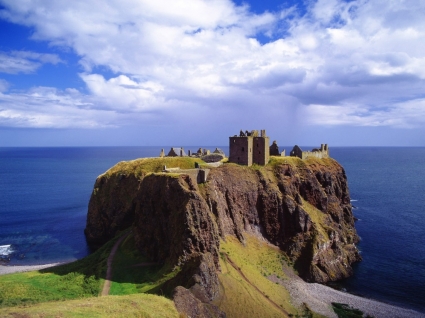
[108, 278]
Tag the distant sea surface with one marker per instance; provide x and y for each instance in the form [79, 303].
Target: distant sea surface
[44, 194]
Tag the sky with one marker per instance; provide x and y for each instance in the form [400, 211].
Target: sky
[178, 72]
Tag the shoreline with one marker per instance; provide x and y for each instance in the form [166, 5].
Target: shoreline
[316, 296]
[10, 269]
[319, 298]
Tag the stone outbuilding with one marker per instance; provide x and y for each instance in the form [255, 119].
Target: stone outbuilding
[177, 152]
[219, 151]
[274, 150]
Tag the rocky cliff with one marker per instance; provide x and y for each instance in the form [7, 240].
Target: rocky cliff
[301, 206]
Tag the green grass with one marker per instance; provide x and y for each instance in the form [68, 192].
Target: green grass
[134, 273]
[293, 161]
[258, 261]
[345, 311]
[54, 288]
[85, 278]
[318, 218]
[141, 305]
[275, 161]
[143, 166]
[79, 279]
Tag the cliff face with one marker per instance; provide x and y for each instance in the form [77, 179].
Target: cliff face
[301, 206]
[304, 209]
[172, 220]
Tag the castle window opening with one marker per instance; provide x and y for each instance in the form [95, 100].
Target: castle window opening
[243, 149]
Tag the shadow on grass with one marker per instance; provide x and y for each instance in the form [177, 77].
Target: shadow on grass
[132, 273]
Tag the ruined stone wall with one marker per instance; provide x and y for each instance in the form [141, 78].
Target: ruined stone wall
[314, 154]
[323, 152]
[197, 175]
[240, 149]
[261, 151]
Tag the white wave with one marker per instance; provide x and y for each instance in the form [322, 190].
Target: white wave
[5, 250]
[353, 200]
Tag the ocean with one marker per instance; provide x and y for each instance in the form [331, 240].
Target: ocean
[44, 194]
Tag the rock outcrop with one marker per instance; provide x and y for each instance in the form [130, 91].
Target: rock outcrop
[302, 206]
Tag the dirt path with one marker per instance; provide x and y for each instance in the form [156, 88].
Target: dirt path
[256, 288]
[107, 284]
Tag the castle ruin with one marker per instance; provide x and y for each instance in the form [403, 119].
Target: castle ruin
[249, 148]
[252, 147]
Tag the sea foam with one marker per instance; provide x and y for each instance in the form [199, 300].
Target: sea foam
[6, 250]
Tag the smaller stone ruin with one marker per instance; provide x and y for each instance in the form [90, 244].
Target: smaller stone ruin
[274, 150]
[323, 152]
[204, 154]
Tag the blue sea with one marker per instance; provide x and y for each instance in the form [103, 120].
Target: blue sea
[44, 194]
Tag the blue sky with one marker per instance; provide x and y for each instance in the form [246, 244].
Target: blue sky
[141, 72]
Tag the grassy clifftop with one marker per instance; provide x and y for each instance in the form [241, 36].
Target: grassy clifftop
[141, 167]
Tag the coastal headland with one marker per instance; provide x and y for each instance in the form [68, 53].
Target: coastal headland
[231, 241]
[302, 207]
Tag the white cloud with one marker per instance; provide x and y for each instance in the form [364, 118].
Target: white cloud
[410, 114]
[339, 63]
[44, 107]
[24, 61]
[4, 85]
[131, 95]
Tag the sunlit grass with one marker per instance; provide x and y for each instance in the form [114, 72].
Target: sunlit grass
[140, 305]
[79, 279]
[141, 167]
[258, 261]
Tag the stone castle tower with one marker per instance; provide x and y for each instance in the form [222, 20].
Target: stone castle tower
[249, 148]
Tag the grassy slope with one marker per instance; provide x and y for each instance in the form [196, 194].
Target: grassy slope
[141, 305]
[79, 279]
[261, 263]
[258, 261]
[49, 292]
[134, 273]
